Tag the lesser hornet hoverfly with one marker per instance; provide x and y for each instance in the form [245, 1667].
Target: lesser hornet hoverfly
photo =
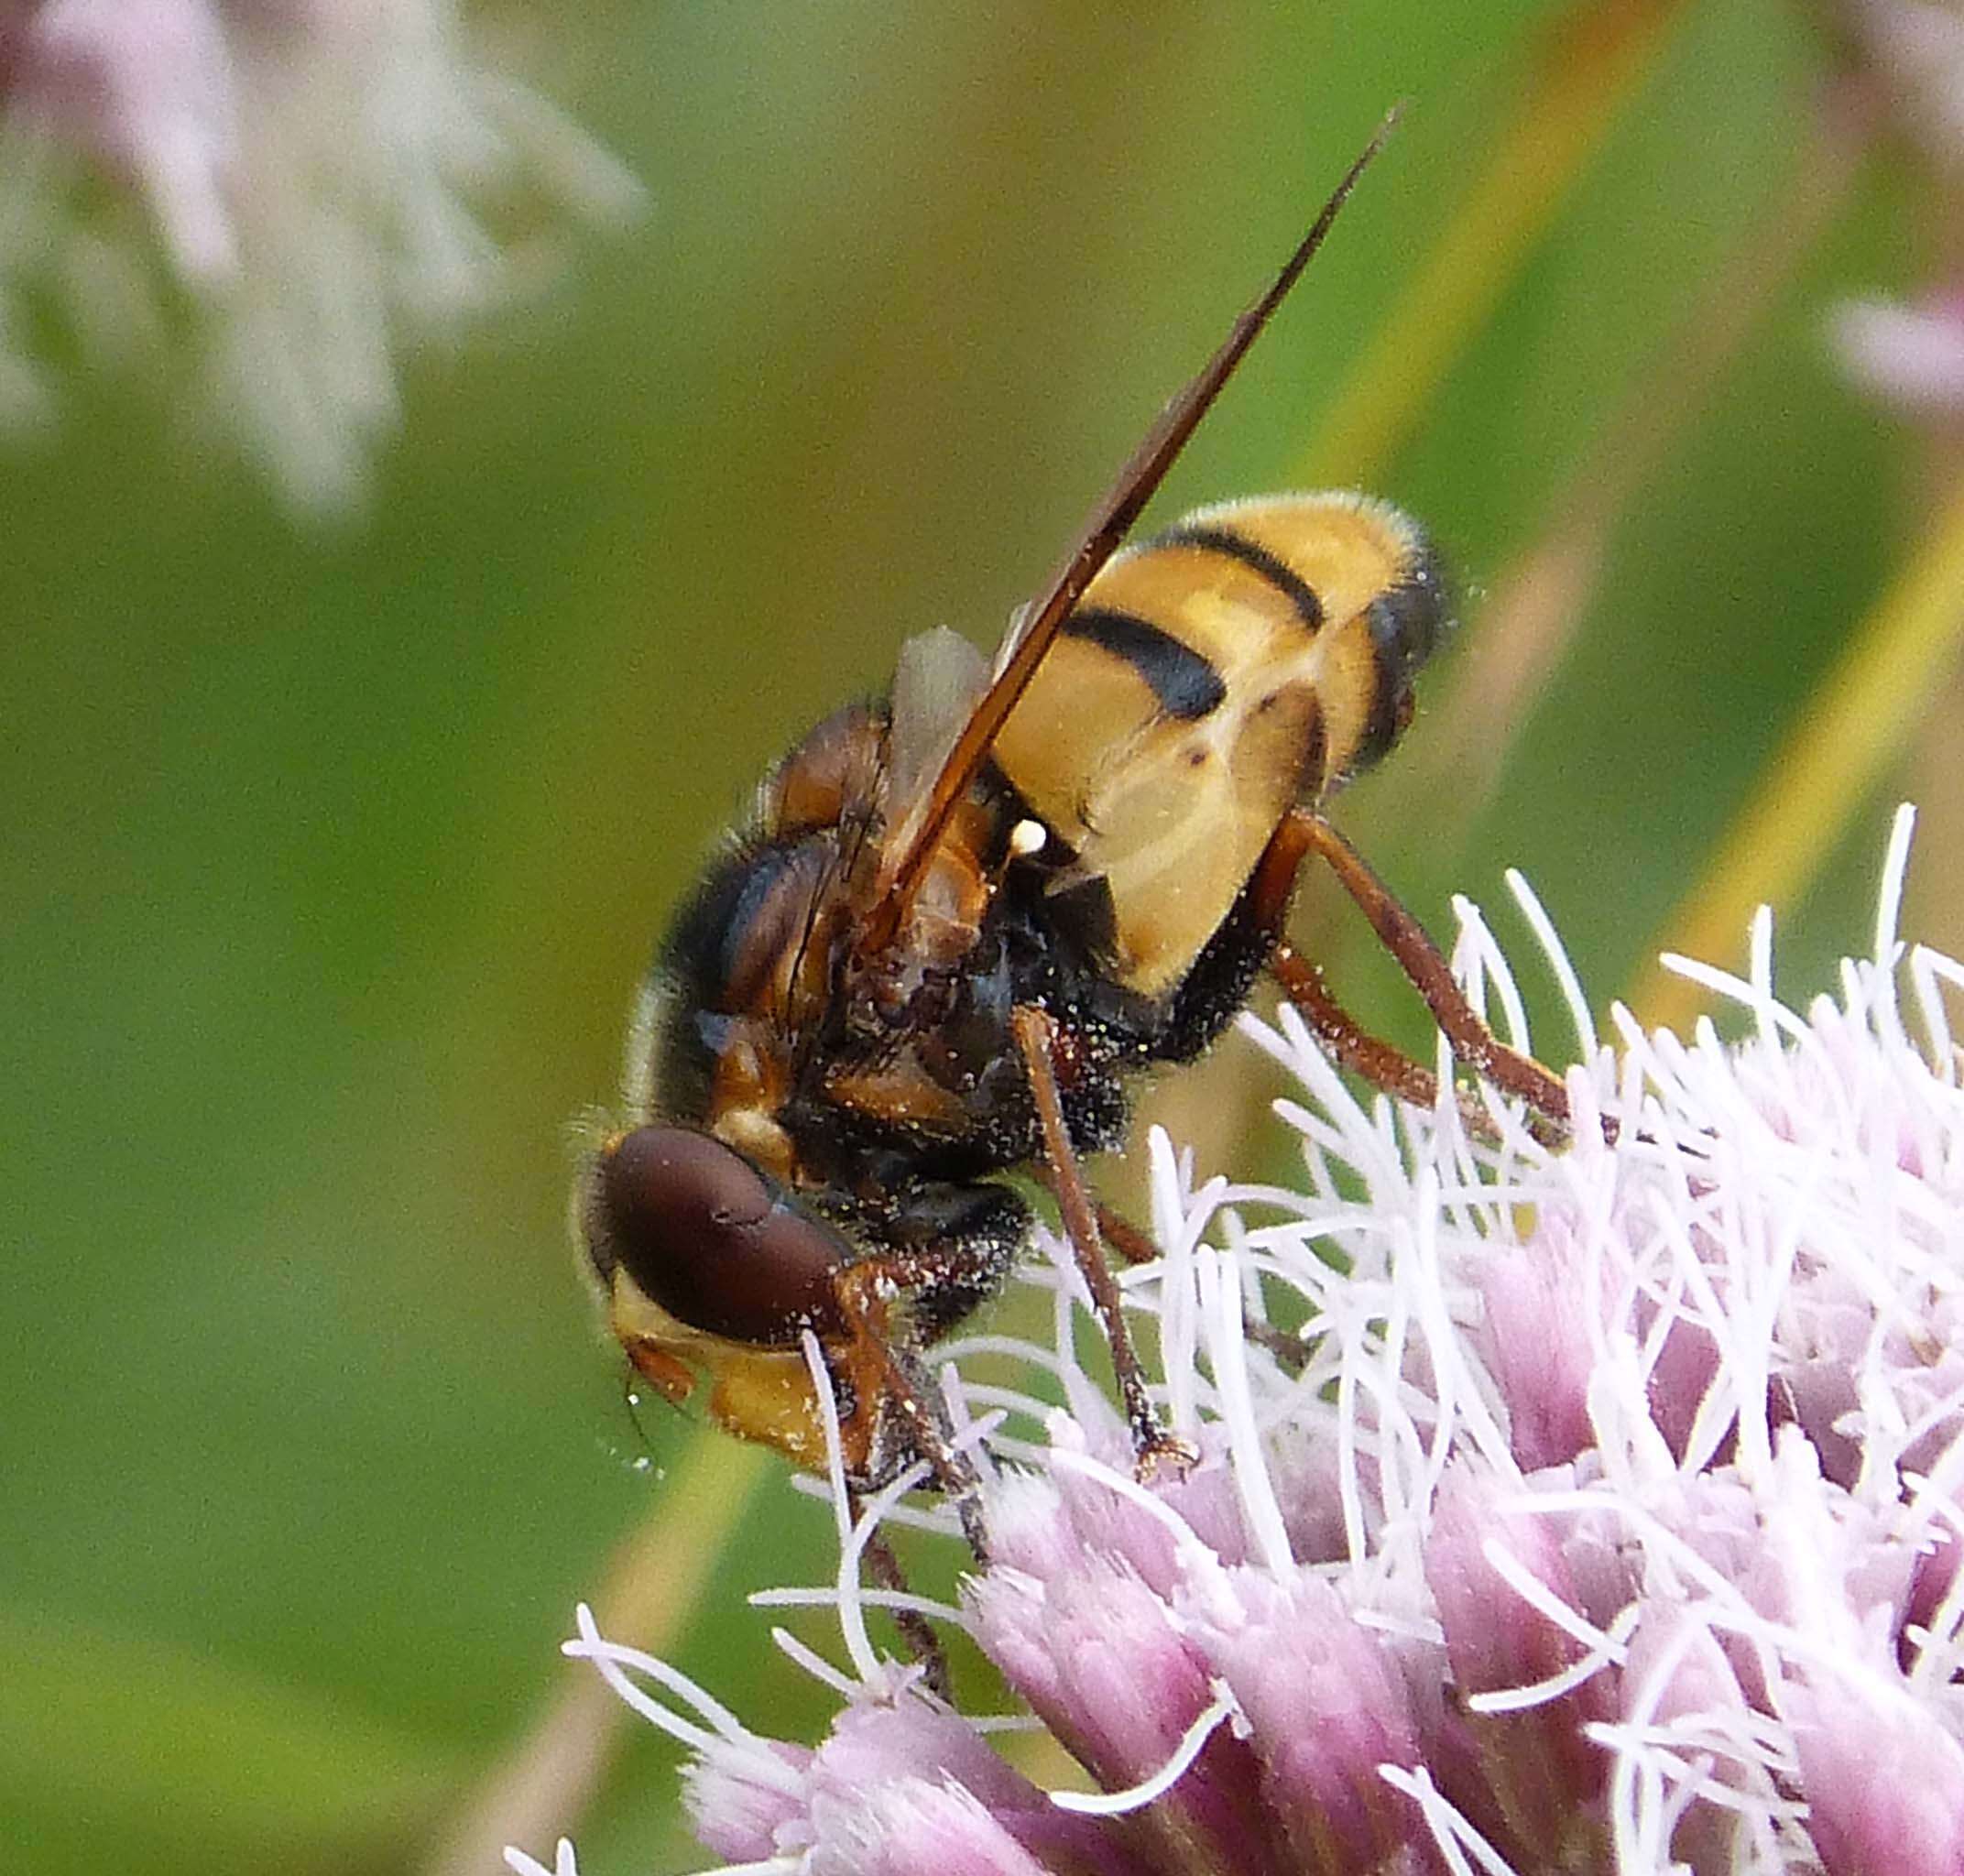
[964, 915]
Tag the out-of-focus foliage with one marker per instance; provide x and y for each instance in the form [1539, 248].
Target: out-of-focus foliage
[327, 859]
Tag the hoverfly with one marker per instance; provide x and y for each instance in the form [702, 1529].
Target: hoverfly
[964, 915]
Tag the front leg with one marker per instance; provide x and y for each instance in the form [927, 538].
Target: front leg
[886, 1380]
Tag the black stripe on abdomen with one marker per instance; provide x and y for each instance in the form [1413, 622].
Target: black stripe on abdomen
[1185, 683]
[1256, 559]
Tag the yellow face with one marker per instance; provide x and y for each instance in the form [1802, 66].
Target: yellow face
[1211, 679]
[756, 1392]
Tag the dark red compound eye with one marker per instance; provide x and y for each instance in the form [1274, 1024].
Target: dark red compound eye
[710, 1239]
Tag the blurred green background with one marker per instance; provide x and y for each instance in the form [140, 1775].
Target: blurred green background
[331, 854]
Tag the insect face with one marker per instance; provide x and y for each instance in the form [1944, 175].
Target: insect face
[709, 1267]
[708, 1239]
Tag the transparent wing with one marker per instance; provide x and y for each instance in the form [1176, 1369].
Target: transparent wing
[940, 680]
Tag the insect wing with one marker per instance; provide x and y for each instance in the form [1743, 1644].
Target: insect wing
[940, 679]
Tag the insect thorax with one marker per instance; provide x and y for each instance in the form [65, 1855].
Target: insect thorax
[882, 1073]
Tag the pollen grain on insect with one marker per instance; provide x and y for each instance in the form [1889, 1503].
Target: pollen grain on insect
[1028, 838]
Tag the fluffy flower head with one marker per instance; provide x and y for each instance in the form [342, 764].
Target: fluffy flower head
[1560, 1509]
[265, 198]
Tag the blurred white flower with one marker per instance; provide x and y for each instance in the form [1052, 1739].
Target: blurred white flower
[1916, 47]
[1911, 355]
[1603, 1513]
[266, 197]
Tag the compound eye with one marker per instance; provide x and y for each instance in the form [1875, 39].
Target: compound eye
[710, 1239]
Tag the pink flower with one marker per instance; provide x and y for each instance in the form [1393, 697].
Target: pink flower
[1911, 356]
[1609, 1520]
[266, 198]
[1917, 48]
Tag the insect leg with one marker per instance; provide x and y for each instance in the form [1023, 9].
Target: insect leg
[1269, 891]
[1378, 1063]
[857, 1289]
[1349, 1046]
[915, 1629]
[1153, 1446]
[1134, 1247]
[1473, 1042]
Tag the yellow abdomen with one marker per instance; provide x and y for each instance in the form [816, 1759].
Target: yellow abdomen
[1211, 678]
